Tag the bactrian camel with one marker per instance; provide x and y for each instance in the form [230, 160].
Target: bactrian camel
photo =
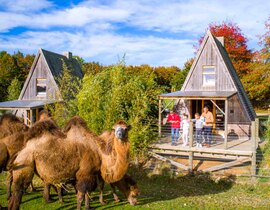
[58, 158]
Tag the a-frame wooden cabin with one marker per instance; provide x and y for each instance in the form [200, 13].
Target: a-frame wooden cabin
[213, 81]
[41, 85]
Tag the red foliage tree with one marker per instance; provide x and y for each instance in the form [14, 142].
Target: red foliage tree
[235, 44]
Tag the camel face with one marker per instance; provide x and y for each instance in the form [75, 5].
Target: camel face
[121, 130]
[120, 133]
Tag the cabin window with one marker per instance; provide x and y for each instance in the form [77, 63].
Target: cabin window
[41, 87]
[209, 76]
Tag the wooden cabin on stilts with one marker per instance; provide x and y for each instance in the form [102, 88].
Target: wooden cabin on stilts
[212, 81]
[41, 87]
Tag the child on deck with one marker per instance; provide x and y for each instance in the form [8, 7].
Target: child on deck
[185, 126]
[199, 127]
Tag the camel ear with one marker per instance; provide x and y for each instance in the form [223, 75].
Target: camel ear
[129, 127]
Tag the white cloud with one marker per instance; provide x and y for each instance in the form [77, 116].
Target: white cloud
[105, 47]
[25, 5]
[98, 31]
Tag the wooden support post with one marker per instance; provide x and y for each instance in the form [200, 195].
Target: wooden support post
[159, 117]
[257, 131]
[190, 145]
[226, 125]
[31, 117]
[254, 147]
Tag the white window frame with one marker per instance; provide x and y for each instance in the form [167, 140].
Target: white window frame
[42, 94]
[205, 84]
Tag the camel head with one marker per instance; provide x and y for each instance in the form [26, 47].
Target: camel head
[133, 194]
[128, 186]
[121, 130]
[44, 115]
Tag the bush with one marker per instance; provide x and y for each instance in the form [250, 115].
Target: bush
[120, 93]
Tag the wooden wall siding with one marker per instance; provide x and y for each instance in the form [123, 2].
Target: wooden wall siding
[41, 71]
[210, 57]
[240, 129]
[236, 111]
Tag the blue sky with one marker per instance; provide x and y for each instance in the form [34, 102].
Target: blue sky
[154, 32]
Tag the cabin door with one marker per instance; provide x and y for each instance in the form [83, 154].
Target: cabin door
[197, 106]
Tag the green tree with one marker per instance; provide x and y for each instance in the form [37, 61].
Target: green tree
[8, 69]
[14, 89]
[69, 87]
[120, 93]
[180, 77]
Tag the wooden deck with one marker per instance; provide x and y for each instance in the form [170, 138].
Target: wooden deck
[240, 146]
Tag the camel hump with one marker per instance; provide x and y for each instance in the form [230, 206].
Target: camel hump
[10, 124]
[8, 118]
[75, 121]
[40, 127]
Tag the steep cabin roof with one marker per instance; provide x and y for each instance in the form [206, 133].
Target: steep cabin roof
[55, 63]
[49, 65]
[239, 86]
[227, 82]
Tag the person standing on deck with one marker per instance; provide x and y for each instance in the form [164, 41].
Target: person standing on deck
[175, 120]
[185, 126]
[208, 125]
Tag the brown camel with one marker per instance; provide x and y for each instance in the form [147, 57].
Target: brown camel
[56, 162]
[12, 131]
[127, 185]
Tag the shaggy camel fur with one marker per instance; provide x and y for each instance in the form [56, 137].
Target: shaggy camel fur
[56, 162]
[127, 185]
[11, 142]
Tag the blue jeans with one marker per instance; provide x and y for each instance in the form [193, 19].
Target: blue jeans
[207, 134]
[175, 134]
[198, 135]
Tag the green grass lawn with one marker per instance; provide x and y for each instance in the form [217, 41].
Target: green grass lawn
[165, 192]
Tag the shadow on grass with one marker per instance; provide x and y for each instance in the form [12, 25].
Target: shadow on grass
[154, 187]
[166, 186]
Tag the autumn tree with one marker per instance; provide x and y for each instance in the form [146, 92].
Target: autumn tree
[257, 81]
[180, 77]
[235, 44]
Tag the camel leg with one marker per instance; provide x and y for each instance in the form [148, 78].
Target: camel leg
[80, 198]
[9, 184]
[101, 188]
[116, 198]
[46, 193]
[59, 193]
[21, 182]
[32, 188]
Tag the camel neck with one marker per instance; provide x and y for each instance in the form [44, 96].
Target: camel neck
[115, 165]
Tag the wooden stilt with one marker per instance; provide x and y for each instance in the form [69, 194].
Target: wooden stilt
[254, 147]
[226, 125]
[191, 145]
[159, 118]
